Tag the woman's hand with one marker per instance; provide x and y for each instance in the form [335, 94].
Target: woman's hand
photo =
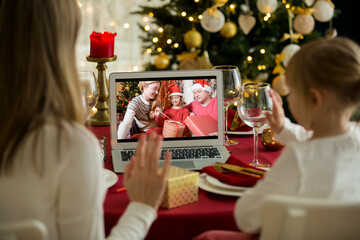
[276, 118]
[143, 180]
[157, 112]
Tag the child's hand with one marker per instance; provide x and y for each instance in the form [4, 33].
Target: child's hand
[151, 115]
[157, 112]
[276, 118]
[144, 183]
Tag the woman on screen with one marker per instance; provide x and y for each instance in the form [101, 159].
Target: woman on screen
[139, 116]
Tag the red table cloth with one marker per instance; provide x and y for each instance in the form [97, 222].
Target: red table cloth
[212, 211]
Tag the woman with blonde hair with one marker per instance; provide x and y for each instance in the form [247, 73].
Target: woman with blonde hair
[139, 116]
[50, 167]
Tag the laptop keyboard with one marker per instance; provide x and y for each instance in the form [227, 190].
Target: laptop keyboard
[181, 153]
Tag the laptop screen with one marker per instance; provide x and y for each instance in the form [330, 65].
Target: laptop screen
[141, 103]
[178, 108]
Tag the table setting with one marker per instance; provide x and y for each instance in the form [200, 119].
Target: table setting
[213, 189]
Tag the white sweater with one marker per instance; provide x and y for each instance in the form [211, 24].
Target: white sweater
[68, 197]
[320, 168]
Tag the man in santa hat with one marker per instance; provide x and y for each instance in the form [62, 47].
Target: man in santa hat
[203, 104]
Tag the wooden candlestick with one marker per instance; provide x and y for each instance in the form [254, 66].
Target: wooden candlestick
[102, 116]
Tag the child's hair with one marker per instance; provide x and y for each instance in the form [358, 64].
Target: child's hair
[332, 64]
[155, 102]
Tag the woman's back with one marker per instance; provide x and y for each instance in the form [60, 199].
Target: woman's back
[61, 186]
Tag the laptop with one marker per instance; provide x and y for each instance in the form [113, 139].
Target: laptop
[200, 150]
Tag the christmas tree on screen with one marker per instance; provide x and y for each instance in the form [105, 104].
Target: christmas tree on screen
[258, 36]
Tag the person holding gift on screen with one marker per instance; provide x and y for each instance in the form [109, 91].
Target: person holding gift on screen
[176, 112]
[139, 116]
[203, 103]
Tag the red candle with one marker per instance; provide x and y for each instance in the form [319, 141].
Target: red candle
[102, 44]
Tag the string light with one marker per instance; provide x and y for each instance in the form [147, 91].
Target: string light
[284, 1]
[232, 6]
[145, 19]
[268, 15]
[301, 36]
[200, 16]
[148, 50]
[160, 29]
[262, 51]
[176, 45]
[159, 49]
[261, 67]
[151, 14]
[288, 5]
[249, 58]
[183, 14]
[169, 41]
[266, 18]
[126, 25]
[191, 19]
[135, 68]
[147, 28]
[155, 40]
[196, 1]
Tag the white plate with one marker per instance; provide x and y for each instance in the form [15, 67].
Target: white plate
[205, 185]
[217, 183]
[248, 132]
[110, 177]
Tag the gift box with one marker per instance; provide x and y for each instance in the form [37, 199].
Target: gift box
[181, 189]
[173, 129]
[202, 125]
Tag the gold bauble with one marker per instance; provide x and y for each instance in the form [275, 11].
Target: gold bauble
[162, 61]
[192, 38]
[269, 142]
[229, 30]
[127, 88]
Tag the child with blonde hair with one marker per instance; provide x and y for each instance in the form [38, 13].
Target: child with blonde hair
[322, 156]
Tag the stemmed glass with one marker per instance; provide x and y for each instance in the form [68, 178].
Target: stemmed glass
[232, 84]
[254, 102]
[89, 90]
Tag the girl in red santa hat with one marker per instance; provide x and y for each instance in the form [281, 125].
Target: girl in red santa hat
[204, 104]
[176, 111]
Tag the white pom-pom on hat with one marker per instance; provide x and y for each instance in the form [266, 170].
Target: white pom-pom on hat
[201, 84]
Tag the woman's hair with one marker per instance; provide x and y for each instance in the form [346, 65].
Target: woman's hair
[156, 101]
[38, 75]
[332, 64]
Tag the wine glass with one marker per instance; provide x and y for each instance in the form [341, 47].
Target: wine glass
[254, 102]
[231, 84]
[89, 90]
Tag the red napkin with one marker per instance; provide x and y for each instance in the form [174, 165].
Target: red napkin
[233, 178]
[240, 128]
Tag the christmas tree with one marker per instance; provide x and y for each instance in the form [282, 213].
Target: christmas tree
[125, 94]
[258, 36]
